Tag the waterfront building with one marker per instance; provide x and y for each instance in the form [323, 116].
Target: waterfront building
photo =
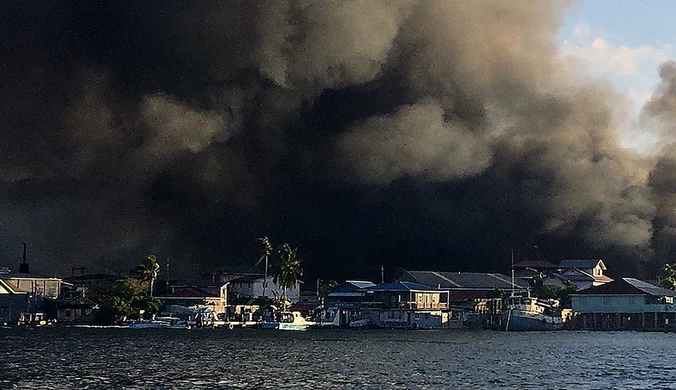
[583, 274]
[77, 309]
[13, 301]
[192, 296]
[404, 304]
[463, 285]
[251, 286]
[41, 291]
[346, 300]
[36, 285]
[625, 303]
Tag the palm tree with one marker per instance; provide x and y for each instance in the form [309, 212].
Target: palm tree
[264, 250]
[148, 271]
[288, 269]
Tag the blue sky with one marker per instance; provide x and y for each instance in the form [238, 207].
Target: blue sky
[623, 42]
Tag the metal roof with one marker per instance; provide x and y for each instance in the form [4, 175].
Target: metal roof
[361, 283]
[649, 288]
[403, 286]
[351, 286]
[581, 263]
[460, 280]
[628, 286]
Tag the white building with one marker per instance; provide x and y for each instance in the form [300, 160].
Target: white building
[251, 286]
[583, 274]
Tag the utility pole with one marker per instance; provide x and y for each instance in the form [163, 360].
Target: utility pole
[168, 275]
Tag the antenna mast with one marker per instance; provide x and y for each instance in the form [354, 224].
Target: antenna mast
[512, 271]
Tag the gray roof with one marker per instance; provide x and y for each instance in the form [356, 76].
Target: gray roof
[360, 283]
[649, 288]
[580, 263]
[402, 286]
[460, 280]
[628, 286]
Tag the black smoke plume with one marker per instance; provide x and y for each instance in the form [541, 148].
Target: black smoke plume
[431, 134]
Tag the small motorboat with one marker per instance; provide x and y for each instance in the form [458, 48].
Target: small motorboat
[288, 321]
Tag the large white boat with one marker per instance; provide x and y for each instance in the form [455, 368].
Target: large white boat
[530, 313]
[288, 321]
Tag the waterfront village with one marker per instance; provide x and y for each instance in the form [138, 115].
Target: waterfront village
[533, 295]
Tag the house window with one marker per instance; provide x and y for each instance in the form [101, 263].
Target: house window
[68, 312]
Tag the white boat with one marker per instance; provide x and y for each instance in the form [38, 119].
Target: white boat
[530, 313]
[523, 312]
[329, 319]
[147, 324]
[359, 323]
[160, 323]
[288, 321]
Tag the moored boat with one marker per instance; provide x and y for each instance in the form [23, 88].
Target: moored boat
[288, 321]
[529, 313]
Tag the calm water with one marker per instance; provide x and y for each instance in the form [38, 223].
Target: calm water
[79, 358]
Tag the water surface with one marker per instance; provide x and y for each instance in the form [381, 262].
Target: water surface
[81, 358]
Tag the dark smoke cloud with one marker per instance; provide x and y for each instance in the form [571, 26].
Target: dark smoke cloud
[423, 134]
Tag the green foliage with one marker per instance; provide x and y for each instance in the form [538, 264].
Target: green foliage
[563, 293]
[495, 293]
[288, 269]
[264, 250]
[147, 271]
[127, 298]
[149, 305]
[113, 311]
[668, 277]
[325, 287]
[539, 289]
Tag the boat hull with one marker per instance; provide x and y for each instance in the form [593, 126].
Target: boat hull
[519, 321]
[285, 326]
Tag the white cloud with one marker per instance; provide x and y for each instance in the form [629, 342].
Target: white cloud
[633, 70]
[591, 52]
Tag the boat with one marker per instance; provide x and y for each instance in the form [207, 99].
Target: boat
[530, 313]
[329, 319]
[161, 323]
[523, 312]
[146, 324]
[288, 321]
[359, 323]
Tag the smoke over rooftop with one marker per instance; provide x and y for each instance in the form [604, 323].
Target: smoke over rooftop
[423, 134]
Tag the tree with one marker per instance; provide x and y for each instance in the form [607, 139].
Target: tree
[563, 293]
[116, 299]
[149, 305]
[539, 288]
[324, 287]
[668, 277]
[288, 269]
[264, 250]
[148, 271]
